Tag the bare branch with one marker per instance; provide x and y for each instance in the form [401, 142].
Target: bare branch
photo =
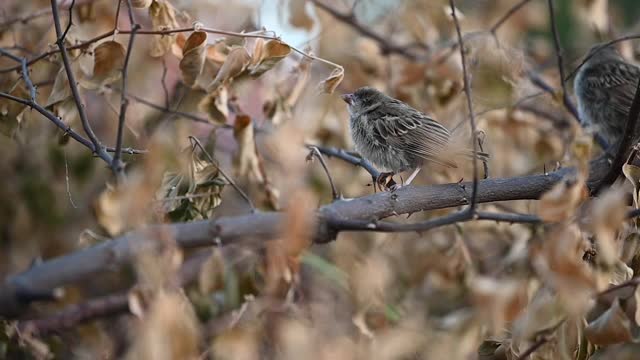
[195, 142]
[315, 152]
[117, 163]
[98, 148]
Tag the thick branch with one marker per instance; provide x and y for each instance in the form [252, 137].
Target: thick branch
[260, 227]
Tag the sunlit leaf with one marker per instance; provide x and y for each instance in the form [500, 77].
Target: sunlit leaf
[235, 64]
[266, 55]
[141, 4]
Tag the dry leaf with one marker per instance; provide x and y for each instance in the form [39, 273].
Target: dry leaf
[216, 106]
[109, 211]
[169, 330]
[267, 55]
[612, 327]
[331, 83]
[163, 17]
[609, 212]
[234, 65]
[108, 63]
[194, 55]
[246, 160]
[559, 203]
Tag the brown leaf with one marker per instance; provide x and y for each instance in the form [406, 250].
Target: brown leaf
[267, 55]
[216, 106]
[60, 90]
[612, 327]
[234, 65]
[194, 55]
[246, 160]
[163, 17]
[560, 203]
[109, 212]
[108, 63]
[329, 84]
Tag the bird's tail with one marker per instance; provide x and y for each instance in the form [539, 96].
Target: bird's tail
[460, 148]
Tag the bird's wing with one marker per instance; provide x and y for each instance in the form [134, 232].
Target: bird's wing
[621, 80]
[416, 134]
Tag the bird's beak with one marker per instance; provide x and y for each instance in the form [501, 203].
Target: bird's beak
[348, 98]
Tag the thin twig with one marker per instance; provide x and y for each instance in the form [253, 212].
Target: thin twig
[352, 159]
[117, 164]
[472, 120]
[64, 127]
[558, 49]
[97, 145]
[506, 16]
[164, 84]
[315, 152]
[350, 19]
[624, 147]
[233, 184]
[543, 338]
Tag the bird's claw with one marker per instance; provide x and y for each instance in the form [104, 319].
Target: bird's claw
[385, 181]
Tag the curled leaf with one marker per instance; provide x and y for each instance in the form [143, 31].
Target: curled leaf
[331, 83]
[266, 55]
[234, 65]
[193, 57]
[108, 63]
[612, 327]
[215, 105]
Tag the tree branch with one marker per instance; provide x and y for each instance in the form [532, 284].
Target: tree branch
[98, 148]
[259, 227]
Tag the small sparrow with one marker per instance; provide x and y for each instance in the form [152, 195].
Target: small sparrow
[605, 86]
[396, 137]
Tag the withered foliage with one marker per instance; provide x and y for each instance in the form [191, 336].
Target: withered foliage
[223, 97]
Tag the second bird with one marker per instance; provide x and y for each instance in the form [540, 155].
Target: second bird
[396, 137]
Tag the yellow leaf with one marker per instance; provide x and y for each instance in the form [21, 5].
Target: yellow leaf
[163, 17]
[211, 276]
[331, 83]
[234, 65]
[267, 55]
[194, 55]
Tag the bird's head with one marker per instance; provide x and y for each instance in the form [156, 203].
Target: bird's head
[602, 53]
[363, 98]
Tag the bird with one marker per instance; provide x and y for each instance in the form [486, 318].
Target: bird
[605, 86]
[396, 137]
